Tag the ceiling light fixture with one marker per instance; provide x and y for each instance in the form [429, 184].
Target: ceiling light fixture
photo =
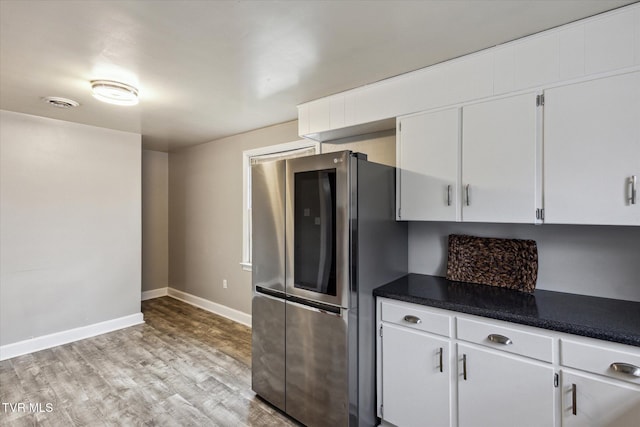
[58, 102]
[114, 92]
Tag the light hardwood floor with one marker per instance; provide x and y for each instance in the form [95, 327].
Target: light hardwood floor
[183, 367]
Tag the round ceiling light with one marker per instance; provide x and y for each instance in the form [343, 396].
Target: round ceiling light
[58, 102]
[114, 92]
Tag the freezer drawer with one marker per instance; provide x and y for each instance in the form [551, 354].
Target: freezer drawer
[267, 349]
[316, 368]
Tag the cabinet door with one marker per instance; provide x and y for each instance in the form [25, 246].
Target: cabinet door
[500, 160]
[503, 390]
[428, 157]
[591, 151]
[590, 402]
[416, 378]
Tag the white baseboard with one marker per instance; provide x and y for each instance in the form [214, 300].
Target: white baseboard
[154, 293]
[59, 338]
[222, 310]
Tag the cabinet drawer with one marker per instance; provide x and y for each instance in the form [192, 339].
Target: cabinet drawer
[598, 359]
[415, 317]
[527, 344]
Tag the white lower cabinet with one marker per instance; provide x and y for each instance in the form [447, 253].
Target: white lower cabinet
[417, 380]
[441, 368]
[600, 384]
[497, 389]
[589, 401]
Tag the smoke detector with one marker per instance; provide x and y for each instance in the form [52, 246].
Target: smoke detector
[58, 102]
[114, 92]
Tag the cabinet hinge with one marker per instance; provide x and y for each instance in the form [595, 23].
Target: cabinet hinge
[555, 380]
[539, 100]
[540, 214]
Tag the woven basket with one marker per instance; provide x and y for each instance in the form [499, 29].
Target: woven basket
[506, 263]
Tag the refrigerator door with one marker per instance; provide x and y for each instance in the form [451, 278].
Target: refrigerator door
[268, 312]
[317, 227]
[267, 349]
[268, 225]
[316, 369]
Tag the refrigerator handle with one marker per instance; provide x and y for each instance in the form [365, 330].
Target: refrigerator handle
[270, 292]
[316, 306]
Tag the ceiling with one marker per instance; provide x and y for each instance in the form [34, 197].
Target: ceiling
[210, 69]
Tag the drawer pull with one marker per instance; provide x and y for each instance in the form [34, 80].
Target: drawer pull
[500, 339]
[412, 319]
[574, 399]
[441, 351]
[464, 367]
[626, 368]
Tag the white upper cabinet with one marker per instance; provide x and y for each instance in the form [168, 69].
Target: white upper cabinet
[497, 160]
[592, 152]
[428, 155]
[500, 147]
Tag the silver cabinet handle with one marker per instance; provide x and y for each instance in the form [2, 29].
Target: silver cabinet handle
[500, 339]
[448, 195]
[441, 351]
[466, 190]
[626, 368]
[412, 319]
[574, 399]
[464, 367]
[634, 183]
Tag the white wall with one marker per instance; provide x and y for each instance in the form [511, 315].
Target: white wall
[600, 261]
[155, 220]
[69, 226]
[205, 216]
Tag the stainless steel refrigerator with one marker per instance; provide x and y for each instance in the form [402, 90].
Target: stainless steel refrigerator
[324, 236]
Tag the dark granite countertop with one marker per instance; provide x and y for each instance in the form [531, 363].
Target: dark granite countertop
[601, 318]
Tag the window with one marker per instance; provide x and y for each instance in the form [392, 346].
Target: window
[265, 154]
